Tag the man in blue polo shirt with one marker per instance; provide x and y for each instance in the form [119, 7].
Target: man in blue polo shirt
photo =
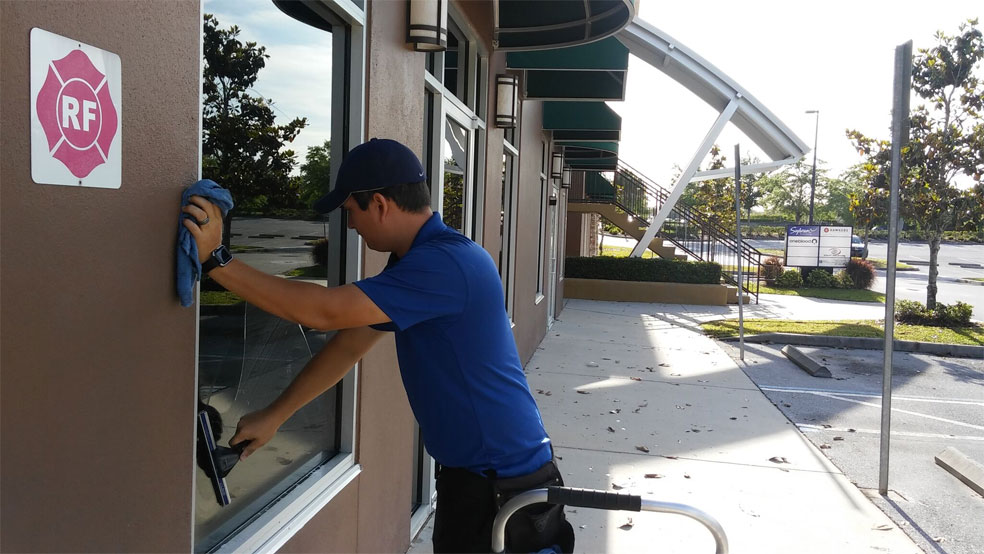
[441, 296]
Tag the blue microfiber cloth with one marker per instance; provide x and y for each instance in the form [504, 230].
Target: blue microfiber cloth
[189, 269]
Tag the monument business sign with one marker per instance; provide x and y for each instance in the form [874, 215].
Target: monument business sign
[818, 245]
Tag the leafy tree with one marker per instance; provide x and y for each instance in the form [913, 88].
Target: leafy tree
[945, 139]
[972, 209]
[836, 207]
[714, 199]
[243, 148]
[315, 173]
[789, 193]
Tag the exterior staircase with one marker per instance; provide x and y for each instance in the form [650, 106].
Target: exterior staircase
[628, 224]
[630, 200]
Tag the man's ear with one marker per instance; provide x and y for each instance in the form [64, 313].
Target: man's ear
[383, 203]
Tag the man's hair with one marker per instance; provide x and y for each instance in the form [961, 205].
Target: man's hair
[409, 197]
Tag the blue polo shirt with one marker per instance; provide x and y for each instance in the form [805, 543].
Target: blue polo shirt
[458, 356]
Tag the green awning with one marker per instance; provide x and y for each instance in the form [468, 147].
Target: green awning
[604, 55]
[610, 148]
[582, 121]
[541, 24]
[593, 71]
[598, 164]
[575, 85]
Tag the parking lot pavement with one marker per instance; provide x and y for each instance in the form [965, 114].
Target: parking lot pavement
[936, 403]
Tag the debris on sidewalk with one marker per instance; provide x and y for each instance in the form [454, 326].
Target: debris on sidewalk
[643, 449]
[627, 525]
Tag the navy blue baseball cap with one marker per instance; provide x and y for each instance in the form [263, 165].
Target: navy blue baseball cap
[373, 165]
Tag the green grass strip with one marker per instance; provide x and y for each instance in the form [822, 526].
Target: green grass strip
[622, 252]
[219, 298]
[883, 264]
[850, 295]
[973, 335]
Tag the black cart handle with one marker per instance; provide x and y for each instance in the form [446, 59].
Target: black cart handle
[588, 498]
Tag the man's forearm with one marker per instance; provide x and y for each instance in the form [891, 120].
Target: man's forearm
[325, 370]
[309, 304]
[276, 295]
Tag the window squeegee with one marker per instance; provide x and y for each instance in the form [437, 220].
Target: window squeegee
[220, 459]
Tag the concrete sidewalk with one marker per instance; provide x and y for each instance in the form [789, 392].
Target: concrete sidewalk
[613, 379]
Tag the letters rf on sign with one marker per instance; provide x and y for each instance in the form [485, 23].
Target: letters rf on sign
[76, 113]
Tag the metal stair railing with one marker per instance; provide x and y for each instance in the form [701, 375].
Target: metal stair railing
[687, 229]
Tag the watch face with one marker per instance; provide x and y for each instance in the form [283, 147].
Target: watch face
[222, 255]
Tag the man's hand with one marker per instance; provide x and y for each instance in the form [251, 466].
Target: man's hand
[258, 427]
[205, 225]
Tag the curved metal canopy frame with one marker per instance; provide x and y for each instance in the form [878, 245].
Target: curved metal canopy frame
[722, 93]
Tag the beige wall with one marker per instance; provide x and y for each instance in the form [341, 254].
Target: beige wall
[98, 383]
[98, 357]
[530, 317]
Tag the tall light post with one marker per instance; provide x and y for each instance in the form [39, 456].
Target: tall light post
[813, 181]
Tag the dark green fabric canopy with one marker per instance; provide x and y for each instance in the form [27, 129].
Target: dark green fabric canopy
[540, 24]
[582, 121]
[593, 71]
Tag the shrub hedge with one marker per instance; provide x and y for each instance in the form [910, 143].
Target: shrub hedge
[944, 315]
[790, 279]
[862, 273]
[821, 279]
[771, 269]
[656, 270]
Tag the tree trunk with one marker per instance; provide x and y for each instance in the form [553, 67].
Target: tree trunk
[934, 251]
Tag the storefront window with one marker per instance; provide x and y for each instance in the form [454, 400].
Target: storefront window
[267, 137]
[456, 148]
[507, 224]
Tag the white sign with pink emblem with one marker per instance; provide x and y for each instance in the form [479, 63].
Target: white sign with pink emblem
[76, 113]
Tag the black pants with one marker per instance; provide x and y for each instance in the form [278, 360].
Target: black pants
[467, 506]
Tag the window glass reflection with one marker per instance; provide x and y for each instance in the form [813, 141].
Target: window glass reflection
[282, 114]
[456, 149]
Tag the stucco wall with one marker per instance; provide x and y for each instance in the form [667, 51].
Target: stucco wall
[530, 316]
[98, 358]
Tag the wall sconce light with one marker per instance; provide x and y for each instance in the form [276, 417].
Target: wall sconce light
[565, 181]
[427, 25]
[557, 166]
[506, 94]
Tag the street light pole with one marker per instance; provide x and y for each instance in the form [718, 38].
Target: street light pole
[813, 181]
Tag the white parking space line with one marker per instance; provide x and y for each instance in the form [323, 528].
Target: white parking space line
[870, 395]
[842, 397]
[816, 428]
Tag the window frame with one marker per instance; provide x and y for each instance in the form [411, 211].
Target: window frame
[542, 225]
[271, 528]
[445, 104]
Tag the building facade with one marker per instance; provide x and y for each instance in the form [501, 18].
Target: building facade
[103, 370]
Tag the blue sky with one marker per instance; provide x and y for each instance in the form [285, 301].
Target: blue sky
[297, 75]
[834, 56]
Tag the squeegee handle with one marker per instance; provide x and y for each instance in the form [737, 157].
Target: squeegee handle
[587, 498]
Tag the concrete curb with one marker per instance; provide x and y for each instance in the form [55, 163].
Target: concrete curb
[864, 343]
[971, 282]
[805, 362]
[963, 468]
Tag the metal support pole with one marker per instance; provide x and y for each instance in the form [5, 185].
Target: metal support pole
[741, 292]
[813, 180]
[664, 211]
[900, 135]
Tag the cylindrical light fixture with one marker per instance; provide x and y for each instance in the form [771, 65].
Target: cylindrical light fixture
[506, 95]
[557, 165]
[427, 25]
[565, 181]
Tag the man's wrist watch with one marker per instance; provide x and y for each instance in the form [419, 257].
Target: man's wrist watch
[220, 258]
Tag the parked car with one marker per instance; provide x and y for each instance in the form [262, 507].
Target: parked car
[858, 247]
